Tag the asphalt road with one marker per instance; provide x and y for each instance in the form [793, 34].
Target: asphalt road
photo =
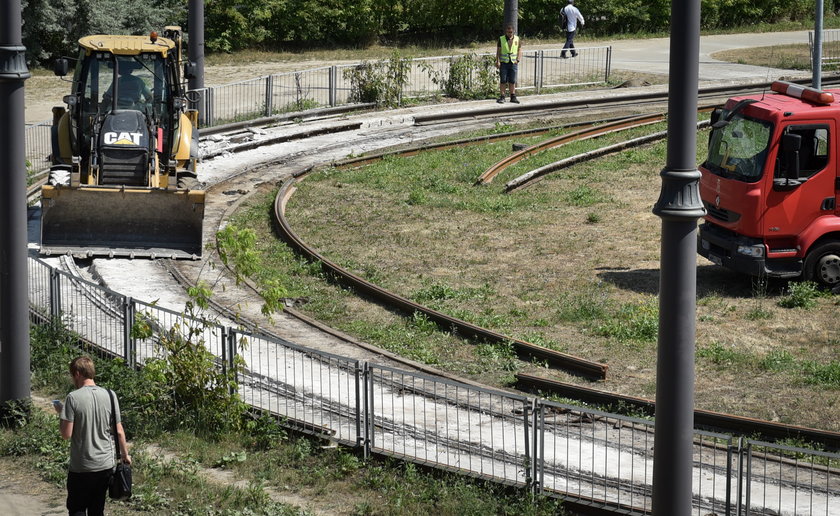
[653, 55]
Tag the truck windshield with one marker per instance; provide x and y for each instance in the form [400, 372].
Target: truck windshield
[738, 149]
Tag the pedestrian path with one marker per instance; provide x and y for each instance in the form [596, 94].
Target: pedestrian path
[652, 55]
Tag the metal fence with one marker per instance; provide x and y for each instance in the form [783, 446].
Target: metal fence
[425, 77]
[579, 454]
[830, 46]
[38, 146]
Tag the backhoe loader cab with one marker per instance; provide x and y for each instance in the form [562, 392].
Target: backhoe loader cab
[124, 154]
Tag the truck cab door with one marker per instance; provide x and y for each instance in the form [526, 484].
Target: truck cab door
[797, 198]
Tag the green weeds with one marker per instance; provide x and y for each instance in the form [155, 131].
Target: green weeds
[632, 322]
[381, 82]
[720, 354]
[801, 294]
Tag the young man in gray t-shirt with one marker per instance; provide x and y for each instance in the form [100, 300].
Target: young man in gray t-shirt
[86, 421]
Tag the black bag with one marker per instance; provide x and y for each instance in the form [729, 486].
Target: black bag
[564, 21]
[119, 488]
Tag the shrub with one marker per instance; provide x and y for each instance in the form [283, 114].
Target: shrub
[800, 295]
[471, 77]
[380, 82]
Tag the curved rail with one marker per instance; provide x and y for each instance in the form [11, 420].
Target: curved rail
[571, 363]
[488, 175]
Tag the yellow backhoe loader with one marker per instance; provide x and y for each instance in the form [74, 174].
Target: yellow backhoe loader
[124, 153]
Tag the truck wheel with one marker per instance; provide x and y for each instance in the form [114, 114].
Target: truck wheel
[822, 264]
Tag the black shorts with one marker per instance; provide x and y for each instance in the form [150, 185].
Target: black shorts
[507, 73]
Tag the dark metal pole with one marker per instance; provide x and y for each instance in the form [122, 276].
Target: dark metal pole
[679, 207]
[816, 52]
[511, 15]
[195, 49]
[14, 288]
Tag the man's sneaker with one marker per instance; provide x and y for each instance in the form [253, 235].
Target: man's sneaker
[514, 99]
[564, 56]
[574, 55]
[501, 99]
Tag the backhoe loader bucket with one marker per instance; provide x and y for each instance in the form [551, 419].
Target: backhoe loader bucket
[121, 222]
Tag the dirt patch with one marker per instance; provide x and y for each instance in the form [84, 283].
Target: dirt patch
[24, 493]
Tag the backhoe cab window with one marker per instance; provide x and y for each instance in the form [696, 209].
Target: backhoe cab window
[738, 149]
[813, 154]
[140, 86]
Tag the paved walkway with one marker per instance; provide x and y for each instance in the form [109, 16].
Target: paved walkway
[652, 55]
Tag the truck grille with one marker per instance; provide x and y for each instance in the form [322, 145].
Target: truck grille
[720, 213]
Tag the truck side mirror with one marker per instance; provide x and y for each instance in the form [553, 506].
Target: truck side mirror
[716, 115]
[61, 67]
[791, 144]
[190, 70]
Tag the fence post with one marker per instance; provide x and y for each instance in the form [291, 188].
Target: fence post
[532, 478]
[608, 65]
[729, 450]
[231, 353]
[739, 491]
[748, 488]
[527, 412]
[129, 353]
[55, 294]
[209, 102]
[224, 347]
[368, 384]
[269, 95]
[539, 438]
[357, 374]
[333, 86]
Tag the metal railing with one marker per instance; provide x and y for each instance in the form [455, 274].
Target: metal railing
[425, 77]
[38, 145]
[830, 46]
[581, 455]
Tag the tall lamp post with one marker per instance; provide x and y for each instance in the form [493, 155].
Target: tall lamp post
[195, 49]
[816, 52]
[679, 207]
[511, 15]
[14, 288]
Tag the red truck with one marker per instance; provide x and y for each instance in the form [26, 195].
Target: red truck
[771, 185]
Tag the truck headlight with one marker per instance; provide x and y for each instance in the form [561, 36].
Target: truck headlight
[753, 251]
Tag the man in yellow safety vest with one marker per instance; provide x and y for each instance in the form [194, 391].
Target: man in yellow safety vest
[508, 55]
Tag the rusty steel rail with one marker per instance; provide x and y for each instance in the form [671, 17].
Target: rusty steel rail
[639, 121]
[463, 142]
[533, 176]
[702, 418]
[568, 362]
